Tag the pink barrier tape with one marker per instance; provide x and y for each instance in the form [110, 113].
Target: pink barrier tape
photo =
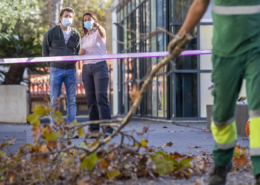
[98, 57]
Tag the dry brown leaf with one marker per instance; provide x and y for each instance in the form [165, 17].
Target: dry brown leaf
[111, 156]
[176, 155]
[168, 144]
[36, 131]
[199, 181]
[10, 175]
[84, 181]
[201, 165]
[134, 94]
[165, 127]
[145, 129]
[101, 154]
[52, 143]
[242, 161]
[149, 150]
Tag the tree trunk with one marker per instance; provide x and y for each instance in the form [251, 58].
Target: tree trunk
[55, 7]
[14, 74]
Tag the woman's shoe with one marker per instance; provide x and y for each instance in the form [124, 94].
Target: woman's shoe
[93, 134]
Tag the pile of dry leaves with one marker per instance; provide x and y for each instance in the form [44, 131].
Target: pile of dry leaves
[53, 159]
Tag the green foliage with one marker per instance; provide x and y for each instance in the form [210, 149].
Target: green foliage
[89, 161]
[81, 7]
[15, 47]
[57, 116]
[113, 174]
[12, 11]
[81, 132]
[40, 111]
[166, 164]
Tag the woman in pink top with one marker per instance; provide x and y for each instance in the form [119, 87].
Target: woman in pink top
[95, 73]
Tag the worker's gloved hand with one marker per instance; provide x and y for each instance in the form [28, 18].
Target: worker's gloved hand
[175, 44]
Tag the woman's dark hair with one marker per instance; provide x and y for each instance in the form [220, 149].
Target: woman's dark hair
[91, 15]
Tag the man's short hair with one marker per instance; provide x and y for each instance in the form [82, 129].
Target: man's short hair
[68, 9]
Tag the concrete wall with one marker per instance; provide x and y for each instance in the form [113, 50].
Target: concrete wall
[13, 104]
[241, 116]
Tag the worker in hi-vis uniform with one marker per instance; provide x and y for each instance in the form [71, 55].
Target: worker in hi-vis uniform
[236, 56]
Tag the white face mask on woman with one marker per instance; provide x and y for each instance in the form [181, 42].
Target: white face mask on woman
[66, 22]
[88, 25]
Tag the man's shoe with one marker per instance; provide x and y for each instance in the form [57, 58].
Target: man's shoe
[257, 182]
[219, 174]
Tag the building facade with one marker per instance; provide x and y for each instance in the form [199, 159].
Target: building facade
[183, 94]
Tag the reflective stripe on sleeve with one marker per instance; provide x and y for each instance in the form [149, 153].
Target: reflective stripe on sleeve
[236, 10]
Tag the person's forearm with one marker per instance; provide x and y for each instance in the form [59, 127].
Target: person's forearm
[101, 31]
[196, 11]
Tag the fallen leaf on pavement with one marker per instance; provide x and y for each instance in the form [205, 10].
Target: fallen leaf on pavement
[199, 181]
[168, 144]
[165, 127]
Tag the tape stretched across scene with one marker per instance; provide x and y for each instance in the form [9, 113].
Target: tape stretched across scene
[98, 57]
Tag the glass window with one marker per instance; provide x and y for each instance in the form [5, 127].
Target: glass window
[162, 96]
[122, 14]
[131, 68]
[188, 62]
[125, 97]
[129, 8]
[148, 18]
[118, 17]
[147, 101]
[181, 9]
[171, 10]
[206, 33]
[137, 26]
[125, 70]
[125, 34]
[125, 11]
[137, 2]
[133, 4]
[205, 95]
[159, 11]
[153, 15]
[153, 48]
[129, 34]
[186, 95]
[154, 97]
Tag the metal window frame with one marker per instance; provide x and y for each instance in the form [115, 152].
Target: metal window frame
[198, 71]
[171, 96]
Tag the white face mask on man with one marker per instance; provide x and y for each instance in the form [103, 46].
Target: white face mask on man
[66, 22]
